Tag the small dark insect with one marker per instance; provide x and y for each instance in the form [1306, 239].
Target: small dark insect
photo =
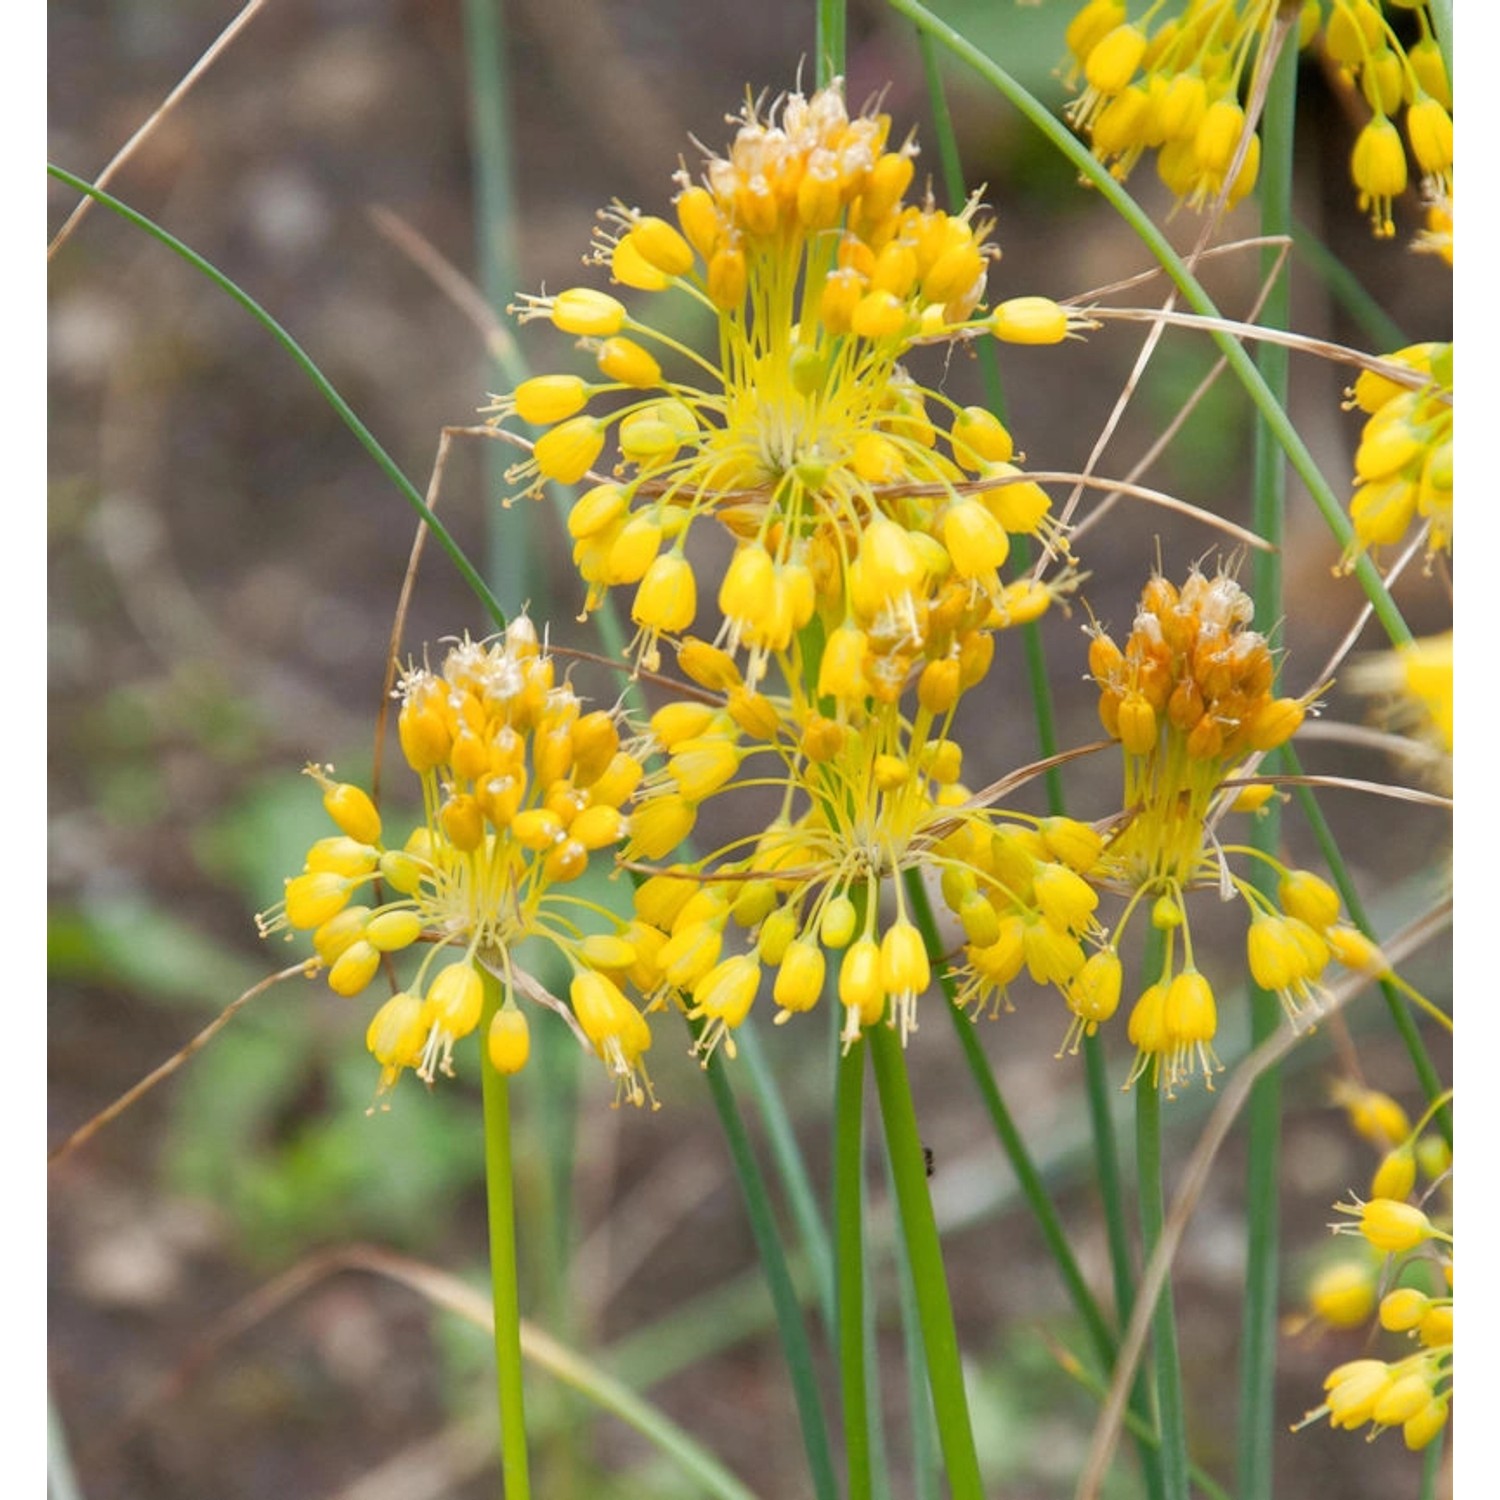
[927, 1159]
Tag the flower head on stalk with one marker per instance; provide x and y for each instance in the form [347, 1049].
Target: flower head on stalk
[853, 491]
[520, 788]
[1173, 82]
[1415, 1287]
[1190, 698]
[1403, 467]
[868, 789]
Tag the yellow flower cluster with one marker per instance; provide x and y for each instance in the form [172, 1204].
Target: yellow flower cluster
[1414, 686]
[854, 492]
[865, 795]
[1403, 467]
[1390, 75]
[1190, 698]
[1176, 89]
[1415, 1289]
[520, 788]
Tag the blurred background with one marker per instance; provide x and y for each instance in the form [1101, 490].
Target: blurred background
[224, 564]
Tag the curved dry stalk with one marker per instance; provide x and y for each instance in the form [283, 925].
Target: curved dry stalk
[1090, 481]
[1342, 354]
[1083, 300]
[92, 1127]
[1347, 784]
[1195, 1178]
[1164, 439]
[443, 1290]
[178, 93]
[534, 989]
[449, 280]
[1364, 737]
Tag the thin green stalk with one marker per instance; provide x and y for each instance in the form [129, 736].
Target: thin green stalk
[924, 1447]
[849, 1264]
[1166, 1366]
[1192, 291]
[831, 41]
[1401, 1016]
[919, 1229]
[784, 1299]
[1263, 1199]
[1432, 1468]
[504, 1292]
[787, 1156]
[345, 412]
[1027, 1177]
[1347, 290]
[495, 214]
[1101, 1098]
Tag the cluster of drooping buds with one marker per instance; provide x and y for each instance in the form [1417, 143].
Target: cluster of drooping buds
[854, 492]
[1177, 89]
[520, 788]
[1403, 467]
[1414, 1284]
[1191, 697]
[1390, 75]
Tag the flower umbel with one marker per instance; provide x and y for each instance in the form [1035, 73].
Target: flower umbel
[520, 788]
[851, 489]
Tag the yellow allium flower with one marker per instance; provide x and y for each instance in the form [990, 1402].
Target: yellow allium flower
[1172, 81]
[520, 788]
[1403, 466]
[854, 492]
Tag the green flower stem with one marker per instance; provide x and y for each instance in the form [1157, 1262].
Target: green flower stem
[1193, 293]
[919, 1230]
[926, 1480]
[784, 1299]
[1262, 1197]
[1121, 1262]
[1401, 1015]
[831, 41]
[1432, 1467]
[1167, 1369]
[502, 1217]
[1164, 1323]
[304, 361]
[849, 1269]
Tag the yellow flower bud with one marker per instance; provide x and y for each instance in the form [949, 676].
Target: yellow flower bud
[545, 399]
[509, 1040]
[588, 313]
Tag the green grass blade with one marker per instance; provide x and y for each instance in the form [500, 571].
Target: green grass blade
[304, 361]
